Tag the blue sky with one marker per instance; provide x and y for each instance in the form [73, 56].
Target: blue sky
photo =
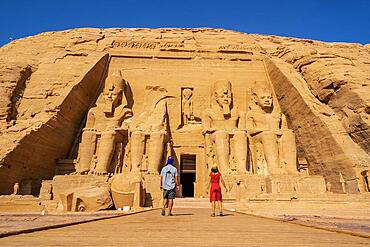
[326, 20]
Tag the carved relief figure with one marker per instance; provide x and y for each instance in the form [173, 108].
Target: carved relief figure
[270, 135]
[187, 106]
[365, 177]
[224, 128]
[105, 120]
[343, 183]
[148, 131]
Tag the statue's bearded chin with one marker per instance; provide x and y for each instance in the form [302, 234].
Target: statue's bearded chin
[108, 106]
[226, 109]
[267, 108]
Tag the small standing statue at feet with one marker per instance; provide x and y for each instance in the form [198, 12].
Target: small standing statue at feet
[169, 185]
[215, 194]
[16, 189]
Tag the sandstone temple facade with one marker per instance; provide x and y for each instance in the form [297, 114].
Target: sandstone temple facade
[89, 113]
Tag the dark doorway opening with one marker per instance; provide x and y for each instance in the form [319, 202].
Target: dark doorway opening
[187, 174]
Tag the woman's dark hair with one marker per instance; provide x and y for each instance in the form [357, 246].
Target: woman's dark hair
[214, 169]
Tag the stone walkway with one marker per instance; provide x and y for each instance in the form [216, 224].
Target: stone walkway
[188, 227]
[15, 223]
[346, 213]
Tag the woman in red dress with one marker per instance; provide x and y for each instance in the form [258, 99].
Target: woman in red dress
[215, 194]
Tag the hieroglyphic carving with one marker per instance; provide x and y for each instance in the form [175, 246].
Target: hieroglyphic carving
[145, 44]
[241, 49]
[134, 44]
[233, 47]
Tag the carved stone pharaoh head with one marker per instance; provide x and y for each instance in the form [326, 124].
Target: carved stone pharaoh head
[222, 95]
[113, 90]
[187, 93]
[262, 96]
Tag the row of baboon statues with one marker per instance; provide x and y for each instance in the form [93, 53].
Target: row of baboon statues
[232, 138]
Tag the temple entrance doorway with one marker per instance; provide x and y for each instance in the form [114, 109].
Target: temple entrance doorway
[187, 174]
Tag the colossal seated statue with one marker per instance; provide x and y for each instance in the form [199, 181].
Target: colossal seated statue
[224, 130]
[272, 145]
[104, 127]
[148, 131]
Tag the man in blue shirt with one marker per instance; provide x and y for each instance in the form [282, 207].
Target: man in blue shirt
[169, 185]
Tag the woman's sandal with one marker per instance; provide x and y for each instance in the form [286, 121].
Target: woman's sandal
[213, 215]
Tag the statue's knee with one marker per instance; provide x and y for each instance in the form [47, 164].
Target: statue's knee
[240, 136]
[288, 134]
[269, 135]
[137, 134]
[221, 134]
[108, 135]
[88, 133]
[157, 134]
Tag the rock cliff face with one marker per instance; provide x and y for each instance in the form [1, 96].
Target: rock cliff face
[49, 81]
